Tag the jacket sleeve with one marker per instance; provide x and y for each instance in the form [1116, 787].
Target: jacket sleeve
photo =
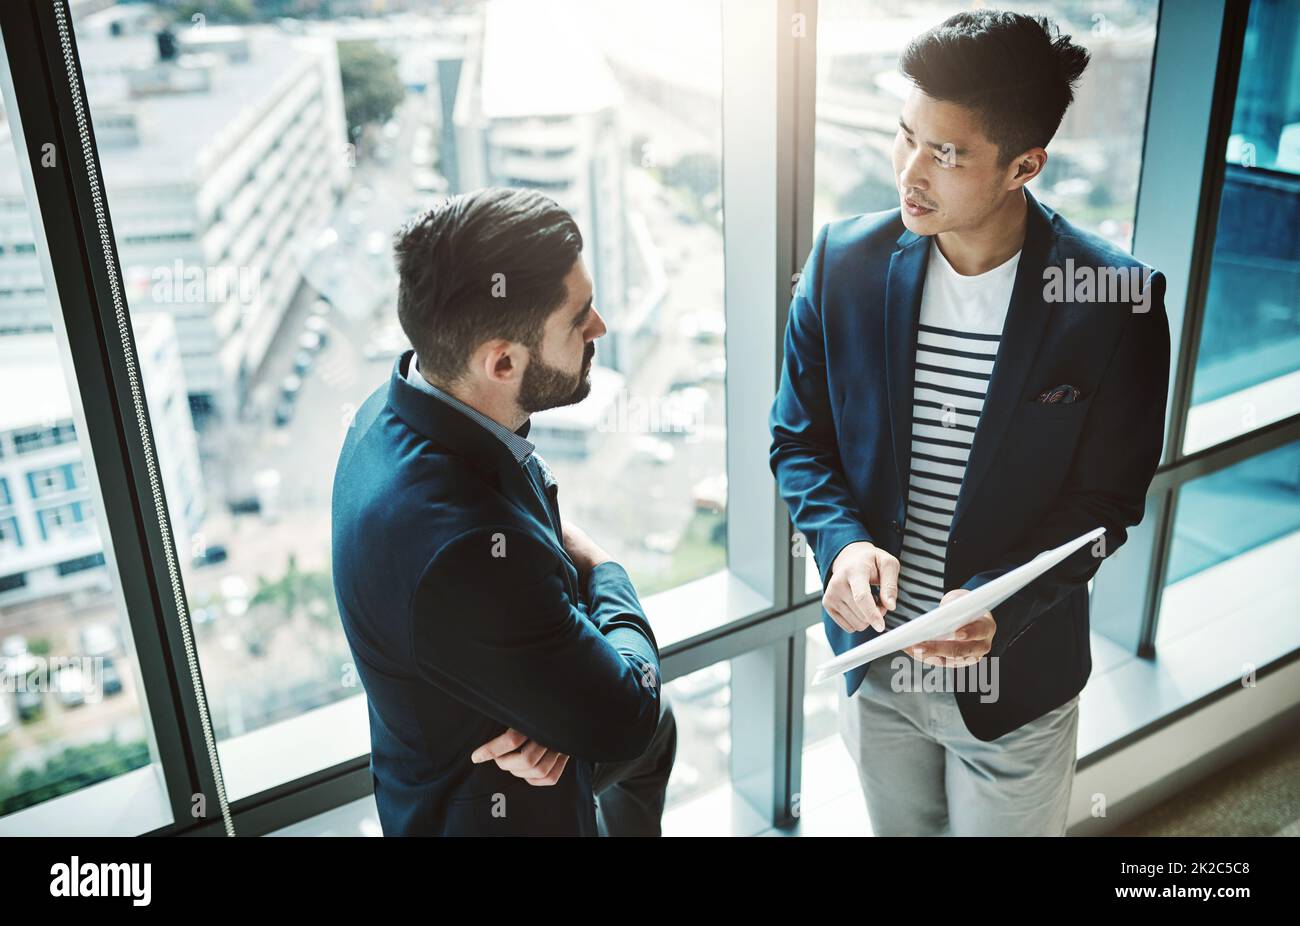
[1108, 479]
[492, 624]
[804, 454]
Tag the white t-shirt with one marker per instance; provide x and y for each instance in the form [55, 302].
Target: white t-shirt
[960, 327]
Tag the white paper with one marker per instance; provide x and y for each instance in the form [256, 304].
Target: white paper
[945, 619]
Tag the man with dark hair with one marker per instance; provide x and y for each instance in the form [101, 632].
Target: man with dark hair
[957, 396]
[495, 642]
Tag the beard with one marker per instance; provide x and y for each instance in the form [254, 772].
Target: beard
[544, 386]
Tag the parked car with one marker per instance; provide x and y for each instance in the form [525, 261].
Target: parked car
[290, 386]
[283, 414]
[710, 494]
[318, 326]
[30, 704]
[17, 660]
[72, 686]
[235, 594]
[248, 504]
[216, 553]
[302, 361]
[98, 640]
[112, 680]
[310, 341]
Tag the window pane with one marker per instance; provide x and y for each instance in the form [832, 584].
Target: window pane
[812, 577]
[819, 701]
[1236, 538]
[702, 706]
[223, 150]
[256, 174]
[641, 462]
[830, 798]
[76, 751]
[1091, 175]
[1248, 366]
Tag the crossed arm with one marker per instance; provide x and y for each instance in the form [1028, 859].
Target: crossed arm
[494, 626]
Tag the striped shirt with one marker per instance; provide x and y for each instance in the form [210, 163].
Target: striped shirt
[958, 332]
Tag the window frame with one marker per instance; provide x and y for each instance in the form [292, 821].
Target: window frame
[69, 219]
[760, 608]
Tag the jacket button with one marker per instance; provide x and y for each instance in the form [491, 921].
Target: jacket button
[895, 525]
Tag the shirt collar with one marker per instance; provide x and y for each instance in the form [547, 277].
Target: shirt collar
[520, 448]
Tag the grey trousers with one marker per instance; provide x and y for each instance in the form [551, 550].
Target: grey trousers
[630, 795]
[924, 774]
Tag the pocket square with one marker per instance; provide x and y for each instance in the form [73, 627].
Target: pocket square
[1062, 395]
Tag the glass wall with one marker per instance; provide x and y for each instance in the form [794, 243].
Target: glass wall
[1248, 366]
[256, 168]
[702, 705]
[1235, 544]
[73, 712]
[257, 172]
[1092, 169]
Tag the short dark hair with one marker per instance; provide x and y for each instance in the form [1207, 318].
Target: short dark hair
[482, 265]
[1016, 72]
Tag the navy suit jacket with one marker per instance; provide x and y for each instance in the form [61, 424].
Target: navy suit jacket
[466, 616]
[1038, 474]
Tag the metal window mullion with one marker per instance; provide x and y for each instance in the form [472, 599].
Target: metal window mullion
[1223, 102]
[78, 189]
[60, 253]
[803, 74]
[1227, 73]
[1270, 437]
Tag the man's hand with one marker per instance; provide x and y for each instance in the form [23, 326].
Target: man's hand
[965, 647]
[584, 552]
[848, 599]
[523, 758]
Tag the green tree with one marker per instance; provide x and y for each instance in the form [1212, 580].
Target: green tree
[699, 173]
[371, 88]
[74, 768]
[228, 11]
[297, 594]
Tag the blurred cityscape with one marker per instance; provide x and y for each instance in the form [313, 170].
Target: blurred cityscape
[258, 158]
[257, 166]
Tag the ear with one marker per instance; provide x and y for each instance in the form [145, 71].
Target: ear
[500, 360]
[1026, 167]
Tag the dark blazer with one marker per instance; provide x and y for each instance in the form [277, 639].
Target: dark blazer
[465, 616]
[1038, 474]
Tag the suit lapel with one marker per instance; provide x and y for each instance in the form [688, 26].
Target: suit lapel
[519, 487]
[1027, 318]
[902, 310]
[457, 433]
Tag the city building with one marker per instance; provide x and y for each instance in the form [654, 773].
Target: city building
[49, 543]
[214, 215]
[538, 107]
